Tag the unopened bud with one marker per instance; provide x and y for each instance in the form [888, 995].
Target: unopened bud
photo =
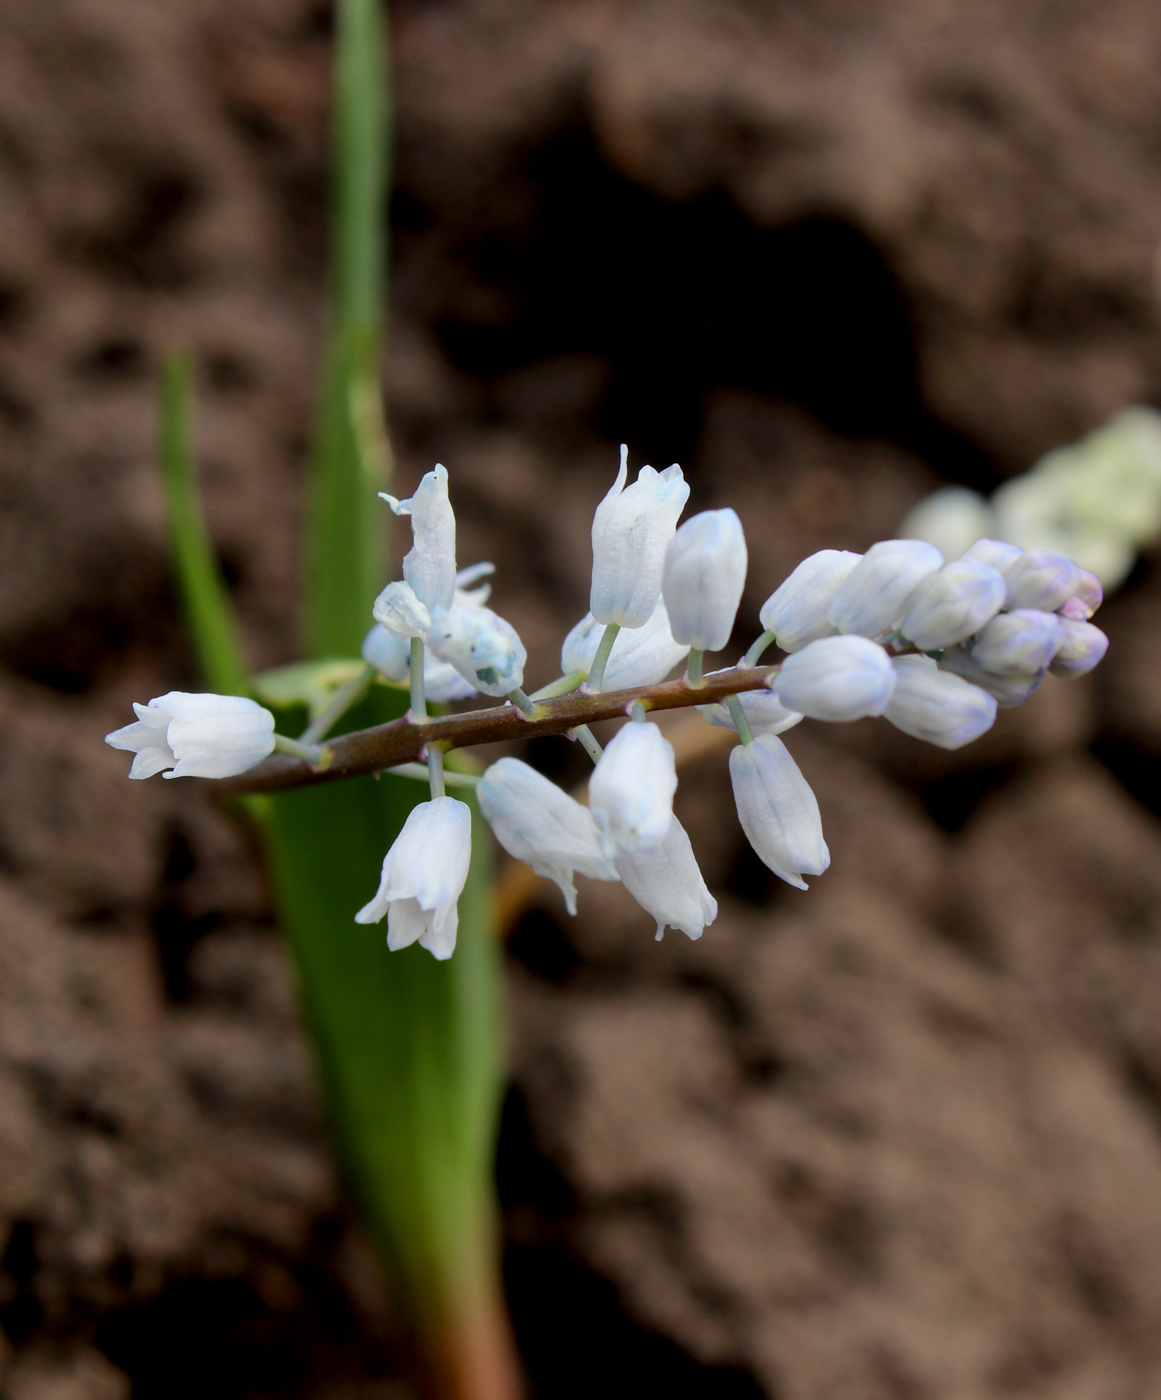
[1086, 600]
[631, 790]
[997, 553]
[1018, 643]
[1043, 580]
[836, 678]
[880, 589]
[938, 706]
[1081, 648]
[954, 605]
[777, 810]
[1007, 691]
[796, 611]
[705, 572]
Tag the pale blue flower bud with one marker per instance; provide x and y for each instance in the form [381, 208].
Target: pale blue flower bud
[1042, 579]
[391, 657]
[764, 712]
[632, 528]
[836, 678]
[430, 566]
[999, 555]
[778, 810]
[399, 611]
[705, 572]
[1018, 643]
[1089, 595]
[482, 647]
[954, 605]
[666, 882]
[1081, 648]
[937, 706]
[796, 611]
[1008, 691]
[642, 656]
[423, 877]
[196, 736]
[882, 586]
[538, 823]
[631, 790]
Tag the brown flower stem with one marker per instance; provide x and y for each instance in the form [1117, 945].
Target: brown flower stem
[404, 741]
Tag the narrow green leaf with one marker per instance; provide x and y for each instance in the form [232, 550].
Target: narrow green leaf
[206, 601]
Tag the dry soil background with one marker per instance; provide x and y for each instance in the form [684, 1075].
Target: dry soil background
[897, 1139]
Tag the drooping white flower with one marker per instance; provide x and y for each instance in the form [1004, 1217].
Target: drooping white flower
[836, 678]
[705, 572]
[796, 611]
[399, 611]
[537, 822]
[196, 736]
[631, 790]
[954, 604]
[391, 657]
[938, 706]
[666, 882]
[423, 877]
[1081, 648]
[1018, 643]
[1042, 579]
[484, 648]
[1008, 690]
[430, 565]
[882, 586]
[778, 810]
[632, 528]
[641, 656]
[764, 712]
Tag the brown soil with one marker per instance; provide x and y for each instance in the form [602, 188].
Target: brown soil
[898, 1138]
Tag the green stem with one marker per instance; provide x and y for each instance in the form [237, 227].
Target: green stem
[522, 703]
[754, 655]
[313, 754]
[588, 742]
[343, 699]
[563, 685]
[435, 770]
[741, 723]
[601, 660]
[418, 699]
[693, 666]
[422, 773]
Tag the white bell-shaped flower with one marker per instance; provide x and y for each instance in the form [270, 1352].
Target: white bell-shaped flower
[954, 604]
[484, 648]
[1018, 643]
[631, 790]
[705, 572]
[764, 712]
[430, 565]
[196, 736]
[399, 611]
[883, 585]
[1082, 647]
[778, 810]
[632, 528]
[666, 882]
[423, 877]
[836, 678]
[538, 823]
[1043, 579]
[1000, 555]
[938, 706]
[391, 657]
[641, 656]
[796, 611]
[1008, 691]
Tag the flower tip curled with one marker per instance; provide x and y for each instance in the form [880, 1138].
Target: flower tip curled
[196, 736]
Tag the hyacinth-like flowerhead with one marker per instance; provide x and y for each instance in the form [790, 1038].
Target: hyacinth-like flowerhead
[423, 877]
[484, 648]
[937, 706]
[632, 528]
[764, 712]
[883, 585]
[430, 565]
[1082, 646]
[778, 810]
[1008, 691]
[631, 790]
[398, 611]
[705, 572]
[1018, 643]
[837, 678]
[666, 882]
[643, 656]
[954, 604]
[796, 611]
[196, 736]
[538, 823]
[391, 657]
